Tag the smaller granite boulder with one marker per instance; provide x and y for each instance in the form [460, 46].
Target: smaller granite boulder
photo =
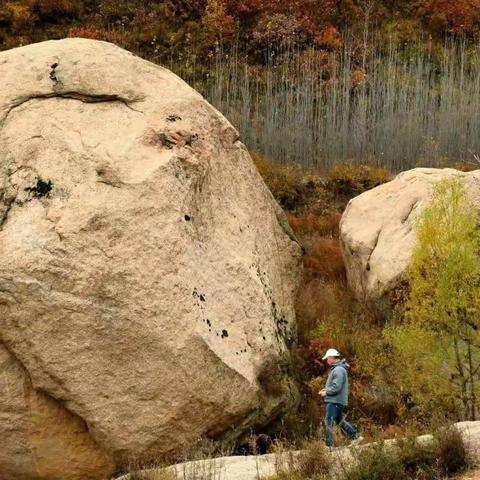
[377, 230]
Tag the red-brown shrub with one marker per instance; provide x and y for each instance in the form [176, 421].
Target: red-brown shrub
[54, 7]
[324, 258]
[310, 224]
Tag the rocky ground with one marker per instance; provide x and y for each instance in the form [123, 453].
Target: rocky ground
[264, 466]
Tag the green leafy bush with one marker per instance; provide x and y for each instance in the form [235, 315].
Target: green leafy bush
[437, 335]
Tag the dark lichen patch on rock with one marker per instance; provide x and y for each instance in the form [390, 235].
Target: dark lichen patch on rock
[53, 74]
[187, 218]
[189, 139]
[283, 332]
[41, 189]
[173, 118]
[224, 333]
[199, 302]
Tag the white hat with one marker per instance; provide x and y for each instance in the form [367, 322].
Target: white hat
[331, 352]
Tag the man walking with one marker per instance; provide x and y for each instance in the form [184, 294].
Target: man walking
[336, 397]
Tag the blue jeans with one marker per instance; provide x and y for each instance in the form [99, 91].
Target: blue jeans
[334, 414]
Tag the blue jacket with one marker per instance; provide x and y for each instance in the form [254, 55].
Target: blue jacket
[337, 383]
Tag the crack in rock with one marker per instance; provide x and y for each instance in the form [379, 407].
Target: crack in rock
[83, 97]
[375, 243]
[410, 211]
[6, 211]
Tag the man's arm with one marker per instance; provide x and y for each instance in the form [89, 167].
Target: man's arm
[338, 379]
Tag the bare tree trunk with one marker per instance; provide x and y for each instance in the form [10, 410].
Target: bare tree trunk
[464, 378]
[473, 398]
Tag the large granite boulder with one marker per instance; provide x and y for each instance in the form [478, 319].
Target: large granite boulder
[147, 276]
[377, 230]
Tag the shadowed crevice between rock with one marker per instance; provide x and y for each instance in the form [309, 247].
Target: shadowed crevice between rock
[4, 217]
[241, 422]
[375, 243]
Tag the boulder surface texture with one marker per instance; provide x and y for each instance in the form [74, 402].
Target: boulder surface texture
[377, 230]
[147, 276]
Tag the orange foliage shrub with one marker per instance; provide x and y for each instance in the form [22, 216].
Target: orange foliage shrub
[358, 78]
[218, 24]
[329, 38]
[21, 16]
[454, 16]
[272, 22]
[310, 20]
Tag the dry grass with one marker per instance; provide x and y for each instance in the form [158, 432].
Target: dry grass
[293, 187]
[440, 457]
[451, 451]
[153, 475]
[311, 462]
[350, 179]
[200, 461]
[317, 201]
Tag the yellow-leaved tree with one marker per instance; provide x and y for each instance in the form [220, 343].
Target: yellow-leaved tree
[436, 331]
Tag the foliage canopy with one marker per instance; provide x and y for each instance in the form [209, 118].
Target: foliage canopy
[436, 333]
